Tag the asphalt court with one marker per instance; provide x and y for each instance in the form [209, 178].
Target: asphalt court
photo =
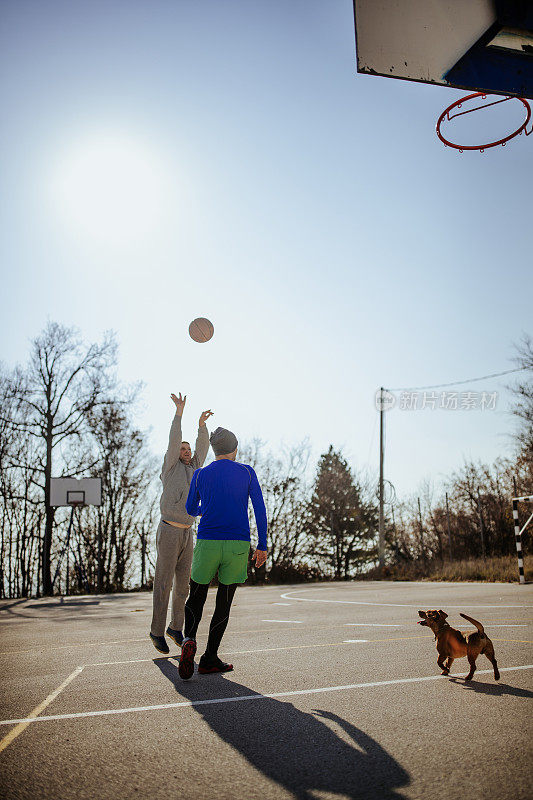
[335, 693]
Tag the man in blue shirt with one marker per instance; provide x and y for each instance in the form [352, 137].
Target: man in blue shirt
[219, 494]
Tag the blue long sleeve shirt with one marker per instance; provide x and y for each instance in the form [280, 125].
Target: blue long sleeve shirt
[220, 493]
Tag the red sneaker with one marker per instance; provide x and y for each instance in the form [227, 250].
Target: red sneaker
[206, 667]
[186, 666]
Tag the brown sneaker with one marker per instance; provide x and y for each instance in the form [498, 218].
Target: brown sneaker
[175, 635]
[159, 643]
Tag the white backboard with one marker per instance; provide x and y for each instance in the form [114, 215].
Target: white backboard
[73, 491]
[480, 45]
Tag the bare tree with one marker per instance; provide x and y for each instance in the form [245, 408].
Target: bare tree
[283, 480]
[523, 391]
[114, 531]
[64, 380]
[480, 515]
[21, 510]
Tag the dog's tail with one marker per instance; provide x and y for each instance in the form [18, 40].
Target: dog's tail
[478, 625]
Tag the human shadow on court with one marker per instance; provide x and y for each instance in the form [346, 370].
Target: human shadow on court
[30, 611]
[294, 748]
[8, 606]
[65, 604]
[494, 689]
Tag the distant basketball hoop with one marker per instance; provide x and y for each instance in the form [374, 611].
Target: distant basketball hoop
[481, 147]
[75, 492]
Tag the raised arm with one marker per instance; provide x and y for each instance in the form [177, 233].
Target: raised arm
[256, 496]
[175, 438]
[202, 441]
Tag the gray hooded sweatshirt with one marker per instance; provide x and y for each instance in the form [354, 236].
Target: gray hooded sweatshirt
[176, 476]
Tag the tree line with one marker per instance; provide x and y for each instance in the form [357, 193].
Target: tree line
[65, 413]
[470, 516]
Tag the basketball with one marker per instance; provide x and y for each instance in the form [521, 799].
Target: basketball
[201, 329]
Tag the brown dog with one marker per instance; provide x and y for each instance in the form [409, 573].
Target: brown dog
[451, 644]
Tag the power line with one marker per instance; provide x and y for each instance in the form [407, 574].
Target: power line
[456, 383]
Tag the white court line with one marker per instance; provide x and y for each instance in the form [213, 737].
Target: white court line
[281, 604]
[371, 625]
[507, 625]
[273, 695]
[45, 649]
[290, 596]
[354, 641]
[145, 639]
[142, 639]
[260, 650]
[292, 621]
[22, 724]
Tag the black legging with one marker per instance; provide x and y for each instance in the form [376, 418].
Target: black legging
[193, 613]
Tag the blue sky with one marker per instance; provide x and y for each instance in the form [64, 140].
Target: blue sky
[168, 160]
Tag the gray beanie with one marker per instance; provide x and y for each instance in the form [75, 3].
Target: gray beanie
[223, 442]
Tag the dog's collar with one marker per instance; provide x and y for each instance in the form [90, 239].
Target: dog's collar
[445, 625]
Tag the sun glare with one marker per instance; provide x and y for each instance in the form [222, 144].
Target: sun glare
[111, 190]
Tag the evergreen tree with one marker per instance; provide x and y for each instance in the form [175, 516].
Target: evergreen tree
[341, 522]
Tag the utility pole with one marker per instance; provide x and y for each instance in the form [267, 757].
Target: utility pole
[448, 526]
[381, 540]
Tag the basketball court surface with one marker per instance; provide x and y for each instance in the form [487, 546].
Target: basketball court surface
[335, 694]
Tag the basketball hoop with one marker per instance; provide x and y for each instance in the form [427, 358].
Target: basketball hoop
[481, 147]
[75, 492]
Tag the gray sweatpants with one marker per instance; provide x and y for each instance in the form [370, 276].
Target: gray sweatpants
[172, 571]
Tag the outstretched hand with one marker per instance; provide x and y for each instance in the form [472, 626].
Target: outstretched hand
[204, 416]
[179, 402]
[260, 556]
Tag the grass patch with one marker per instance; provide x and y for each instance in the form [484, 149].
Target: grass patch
[493, 569]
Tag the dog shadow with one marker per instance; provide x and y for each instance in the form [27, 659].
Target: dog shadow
[494, 689]
[293, 748]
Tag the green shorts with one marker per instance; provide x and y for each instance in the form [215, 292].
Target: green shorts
[228, 556]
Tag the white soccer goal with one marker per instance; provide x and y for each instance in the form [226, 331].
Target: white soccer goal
[518, 533]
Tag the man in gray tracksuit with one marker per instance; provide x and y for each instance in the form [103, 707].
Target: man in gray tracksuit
[174, 539]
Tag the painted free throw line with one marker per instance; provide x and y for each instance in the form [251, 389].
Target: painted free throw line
[273, 695]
